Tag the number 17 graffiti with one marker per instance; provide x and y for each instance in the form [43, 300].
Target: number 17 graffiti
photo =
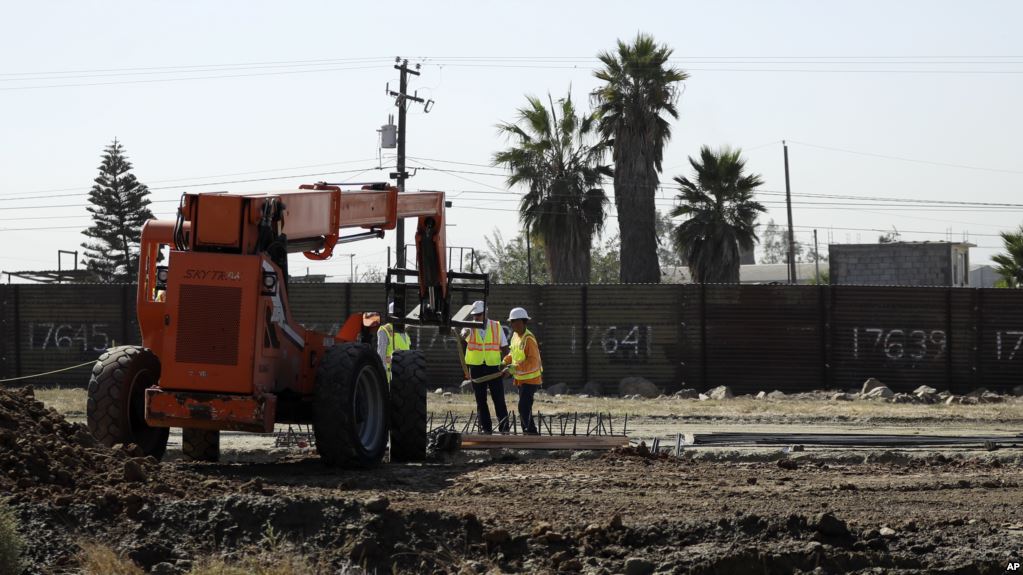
[902, 343]
[998, 339]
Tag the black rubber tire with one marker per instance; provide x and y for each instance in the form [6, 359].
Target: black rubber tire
[350, 406]
[200, 444]
[115, 412]
[408, 406]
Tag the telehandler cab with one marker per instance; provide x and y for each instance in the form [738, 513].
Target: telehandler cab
[221, 349]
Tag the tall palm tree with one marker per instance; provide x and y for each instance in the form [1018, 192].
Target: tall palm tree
[634, 104]
[556, 155]
[1010, 264]
[721, 215]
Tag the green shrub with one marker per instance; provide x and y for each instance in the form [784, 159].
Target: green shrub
[11, 543]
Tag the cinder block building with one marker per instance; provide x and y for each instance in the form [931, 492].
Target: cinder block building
[900, 263]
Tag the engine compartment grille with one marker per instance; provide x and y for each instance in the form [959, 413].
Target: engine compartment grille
[208, 324]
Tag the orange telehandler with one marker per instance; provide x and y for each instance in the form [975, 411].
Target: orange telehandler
[222, 351]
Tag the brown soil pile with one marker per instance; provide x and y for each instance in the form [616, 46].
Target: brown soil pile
[640, 451]
[45, 457]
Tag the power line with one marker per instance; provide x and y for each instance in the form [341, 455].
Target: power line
[904, 159]
[182, 79]
[189, 66]
[49, 194]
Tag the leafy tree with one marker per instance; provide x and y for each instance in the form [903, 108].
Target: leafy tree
[775, 250]
[634, 103]
[556, 156]
[720, 215]
[667, 251]
[120, 205]
[606, 267]
[505, 261]
[1010, 264]
[889, 237]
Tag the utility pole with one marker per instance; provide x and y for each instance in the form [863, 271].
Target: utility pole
[788, 206]
[816, 260]
[401, 97]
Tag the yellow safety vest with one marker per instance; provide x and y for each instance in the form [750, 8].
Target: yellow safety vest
[487, 351]
[395, 341]
[518, 355]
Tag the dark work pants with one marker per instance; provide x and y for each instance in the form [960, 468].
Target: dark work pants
[526, 393]
[496, 393]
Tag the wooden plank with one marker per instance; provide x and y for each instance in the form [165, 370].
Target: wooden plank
[479, 441]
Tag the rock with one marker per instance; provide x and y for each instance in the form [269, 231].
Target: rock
[496, 536]
[376, 504]
[989, 397]
[831, 526]
[164, 568]
[558, 389]
[686, 393]
[635, 385]
[721, 392]
[903, 398]
[776, 395]
[924, 390]
[133, 472]
[616, 522]
[541, 528]
[438, 391]
[953, 399]
[638, 566]
[593, 389]
[761, 395]
[841, 396]
[703, 397]
[570, 566]
[789, 464]
[447, 394]
[980, 391]
[585, 454]
[887, 532]
[870, 384]
[879, 392]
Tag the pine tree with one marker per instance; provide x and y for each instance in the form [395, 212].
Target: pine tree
[120, 205]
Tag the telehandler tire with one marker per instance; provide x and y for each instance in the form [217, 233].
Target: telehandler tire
[200, 444]
[350, 406]
[408, 406]
[115, 412]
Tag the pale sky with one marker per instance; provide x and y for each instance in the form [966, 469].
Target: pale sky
[210, 92]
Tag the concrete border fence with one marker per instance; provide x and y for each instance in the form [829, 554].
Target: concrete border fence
[750, 337]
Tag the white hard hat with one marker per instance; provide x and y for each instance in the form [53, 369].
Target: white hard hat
[390, 307]
[518, 313]
[478, 307]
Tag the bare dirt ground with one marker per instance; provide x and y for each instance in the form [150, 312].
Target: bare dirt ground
[715, 510]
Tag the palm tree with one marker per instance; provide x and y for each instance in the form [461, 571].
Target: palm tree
[720, 215]
[1010, 264]
[634, 104]
[556, 155]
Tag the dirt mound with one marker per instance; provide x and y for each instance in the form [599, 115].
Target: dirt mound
[640, 451]
[45, 457]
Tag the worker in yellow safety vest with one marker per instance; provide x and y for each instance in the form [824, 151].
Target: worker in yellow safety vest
[389, 341]
[524, 363]
[484, 348]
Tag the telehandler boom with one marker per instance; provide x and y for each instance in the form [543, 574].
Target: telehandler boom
[221, 349]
